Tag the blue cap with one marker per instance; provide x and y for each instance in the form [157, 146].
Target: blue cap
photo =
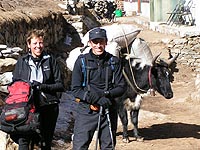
[97, 33]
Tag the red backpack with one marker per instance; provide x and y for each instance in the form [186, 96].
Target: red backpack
[18, 114]
[20, 92]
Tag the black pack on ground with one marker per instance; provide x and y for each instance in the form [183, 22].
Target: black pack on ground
[18, 114]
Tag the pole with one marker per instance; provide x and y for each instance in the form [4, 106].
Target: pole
[110, 128]
[98, 126]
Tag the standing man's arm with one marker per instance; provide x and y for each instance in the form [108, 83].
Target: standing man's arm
[119, 81]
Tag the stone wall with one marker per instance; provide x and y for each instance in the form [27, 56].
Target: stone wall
[189, 49]
[14, 26]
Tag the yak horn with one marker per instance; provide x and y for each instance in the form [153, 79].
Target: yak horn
[172, 59]
[155, 58]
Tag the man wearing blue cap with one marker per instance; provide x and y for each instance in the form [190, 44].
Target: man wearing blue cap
[96, 80]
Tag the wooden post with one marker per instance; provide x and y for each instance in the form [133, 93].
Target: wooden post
[139, 6]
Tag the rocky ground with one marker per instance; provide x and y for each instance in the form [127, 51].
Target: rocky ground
[165, 124]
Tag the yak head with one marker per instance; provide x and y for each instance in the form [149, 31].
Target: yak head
[162, 76]
[156, 76]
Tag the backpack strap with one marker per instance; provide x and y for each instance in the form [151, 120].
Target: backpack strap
[106, 87]
[86, 72]
[112, 63]
[83, 70]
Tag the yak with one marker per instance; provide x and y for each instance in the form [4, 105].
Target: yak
[142, 79]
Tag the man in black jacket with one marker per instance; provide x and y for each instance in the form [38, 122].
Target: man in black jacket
[42, 71]
[96, 87]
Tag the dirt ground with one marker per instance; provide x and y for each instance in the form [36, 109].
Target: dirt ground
[165, 124]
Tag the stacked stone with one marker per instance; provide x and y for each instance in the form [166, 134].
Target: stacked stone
[15, 25]
[8, 59]
[189, 49]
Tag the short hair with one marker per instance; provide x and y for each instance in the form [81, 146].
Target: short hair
[34, 33]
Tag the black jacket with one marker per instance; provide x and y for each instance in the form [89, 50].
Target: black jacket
[97, 76]
[52, 82]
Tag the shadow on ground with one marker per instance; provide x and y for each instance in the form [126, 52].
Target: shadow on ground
[168, 130]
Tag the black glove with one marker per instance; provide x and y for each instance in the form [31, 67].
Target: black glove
[104, 102]
[106, 94]
[92, 98]
[36, 85]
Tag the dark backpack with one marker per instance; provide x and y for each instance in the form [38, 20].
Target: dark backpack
[18, 114]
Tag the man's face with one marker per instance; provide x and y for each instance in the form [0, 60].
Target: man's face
[98, 46]
[36, 46]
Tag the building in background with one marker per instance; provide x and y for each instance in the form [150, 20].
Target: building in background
[160, 10]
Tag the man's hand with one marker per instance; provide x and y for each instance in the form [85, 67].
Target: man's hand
[107, 94]
[36, 85]
[92, 98]
[104, 102]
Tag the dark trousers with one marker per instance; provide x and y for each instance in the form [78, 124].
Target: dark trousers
[49, 115]
[48, 119]
[85, 126]
[22, 140]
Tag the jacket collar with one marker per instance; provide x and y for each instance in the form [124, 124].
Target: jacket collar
[102, 56]
[28, 55]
